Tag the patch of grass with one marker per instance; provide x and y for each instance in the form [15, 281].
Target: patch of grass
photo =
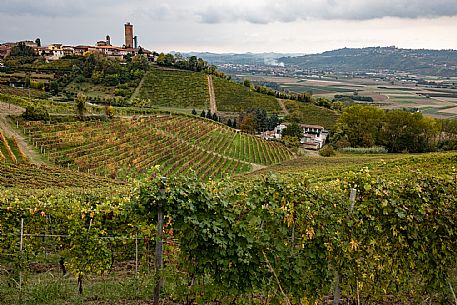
[54, 289]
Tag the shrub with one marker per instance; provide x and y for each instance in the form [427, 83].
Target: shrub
[109, 111]
[291, 141]
[327, 151]
[35, 114]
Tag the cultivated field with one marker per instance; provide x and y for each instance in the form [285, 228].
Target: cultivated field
[311, 114]
[232, 97]
[434, 102]
[173, 89]
[177, 143]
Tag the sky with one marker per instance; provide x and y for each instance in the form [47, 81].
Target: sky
[221, 26]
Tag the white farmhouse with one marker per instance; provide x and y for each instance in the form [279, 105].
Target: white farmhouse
[314, 136]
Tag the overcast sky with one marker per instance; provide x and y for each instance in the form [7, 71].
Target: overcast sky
[294, 26]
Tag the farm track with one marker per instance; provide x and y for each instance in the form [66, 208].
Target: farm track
[283, 107]
[138, 88]
[9, 132]
[212, 96]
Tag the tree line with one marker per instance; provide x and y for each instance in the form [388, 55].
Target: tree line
[396, 130]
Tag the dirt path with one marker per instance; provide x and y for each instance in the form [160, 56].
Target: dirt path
[138, 88]
[5, 127]
[212, 96]
[283, 107]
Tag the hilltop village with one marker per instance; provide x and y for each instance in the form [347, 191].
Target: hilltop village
[57, 51]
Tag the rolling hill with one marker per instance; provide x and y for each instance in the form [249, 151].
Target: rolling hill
[233, 97]
[173, 88]
[178, 143]
[422, 62]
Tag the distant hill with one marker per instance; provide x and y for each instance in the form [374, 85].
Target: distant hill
[422, 62]
[267, 59]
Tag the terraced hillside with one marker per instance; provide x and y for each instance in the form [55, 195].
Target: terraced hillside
[232, 97]
[174, 88]
[177, 143]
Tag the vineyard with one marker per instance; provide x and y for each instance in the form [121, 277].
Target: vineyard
[10, 150]
[50, 106]
[178, 143]
[29, 176]
[327, 169]
[174, 88]
[311, 114]
[21, 92]
[232, 97]
[363, 238]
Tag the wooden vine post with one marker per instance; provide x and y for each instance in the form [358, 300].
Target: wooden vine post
[337, 292]
[159, 253]
[21, 246]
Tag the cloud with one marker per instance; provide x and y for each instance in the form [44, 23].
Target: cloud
[55, 8]
[229, 11]
[270, 11]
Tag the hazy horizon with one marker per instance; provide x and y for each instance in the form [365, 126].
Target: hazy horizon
[258, 26]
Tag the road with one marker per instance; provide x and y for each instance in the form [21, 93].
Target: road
[8, 131]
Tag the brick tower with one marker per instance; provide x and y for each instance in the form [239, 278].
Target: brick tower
[128, 35]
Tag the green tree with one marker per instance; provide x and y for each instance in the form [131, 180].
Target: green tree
[109, 111]
[54, 87]
[33, 113]
[361, 125]
[80, 104]
[291, 141]
[405, 131]
[248, 123]
[247, 84]
[22, 50]
[327, 151]
[293, 130]
[273, 121]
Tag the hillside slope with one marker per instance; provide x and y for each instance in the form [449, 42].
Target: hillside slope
[173, 88]
[423, 62]
[30, 176]
[177, 143]
[233, 97]
[310, 114]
